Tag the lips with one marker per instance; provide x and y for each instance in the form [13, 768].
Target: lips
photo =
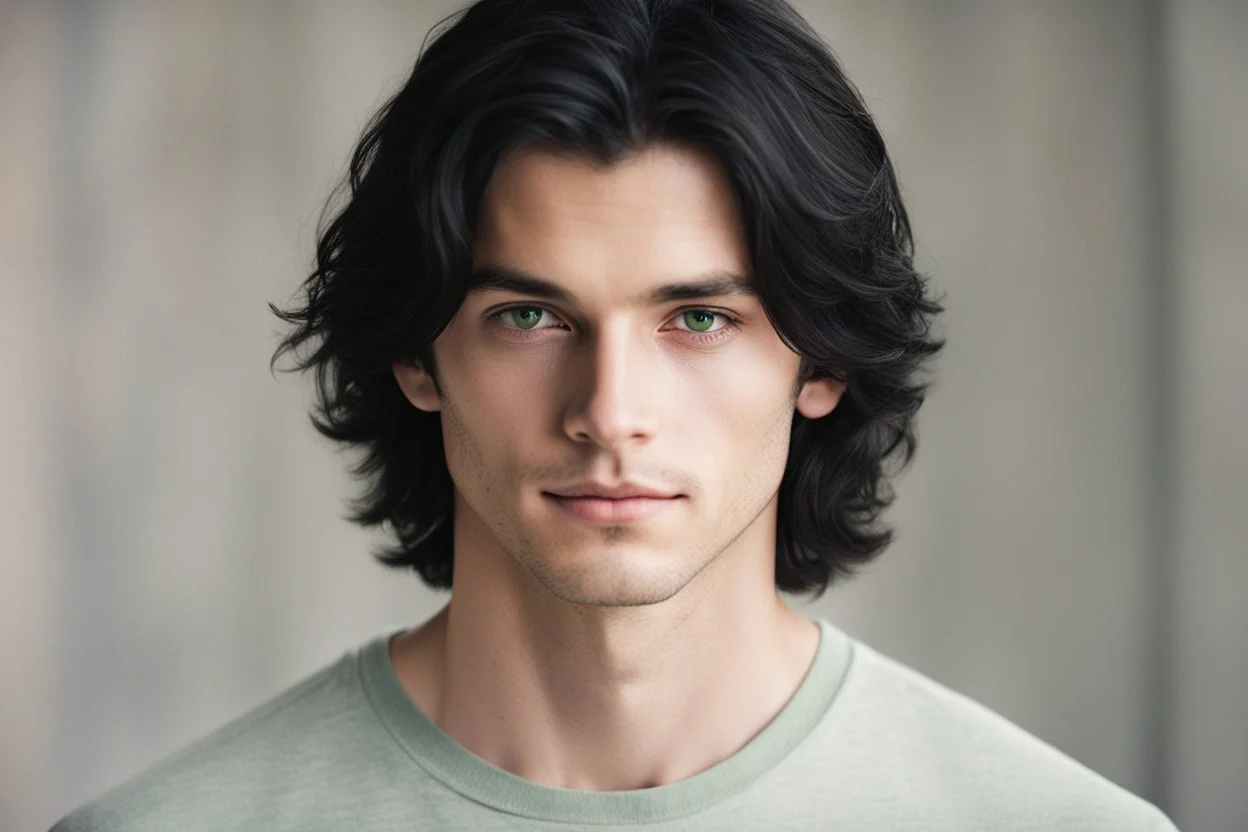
[613, 492]
[611, 510]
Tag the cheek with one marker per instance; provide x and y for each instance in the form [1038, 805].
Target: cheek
[501, 381]
[741, 421]
[742, 440]
[492, 406]
[746, 398]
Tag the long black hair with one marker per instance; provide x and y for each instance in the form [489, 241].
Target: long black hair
[746, 80]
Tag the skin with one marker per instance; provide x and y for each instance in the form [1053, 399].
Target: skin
[572, 653]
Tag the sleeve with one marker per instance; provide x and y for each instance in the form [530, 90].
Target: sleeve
[1156, 820]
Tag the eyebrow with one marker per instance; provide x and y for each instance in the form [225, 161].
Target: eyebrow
[510, 279]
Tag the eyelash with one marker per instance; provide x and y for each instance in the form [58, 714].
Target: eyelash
[707, 337]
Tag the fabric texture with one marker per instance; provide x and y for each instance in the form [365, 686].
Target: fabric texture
[864, 743]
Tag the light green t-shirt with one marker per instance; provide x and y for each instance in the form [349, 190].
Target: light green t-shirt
[865, 743]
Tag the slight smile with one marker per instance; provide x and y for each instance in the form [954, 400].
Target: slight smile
[607, 510]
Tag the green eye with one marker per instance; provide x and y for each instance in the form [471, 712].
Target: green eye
[528, 317]
[699, 320]
[524, 317]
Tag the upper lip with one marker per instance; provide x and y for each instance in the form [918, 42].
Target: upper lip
[613, 492]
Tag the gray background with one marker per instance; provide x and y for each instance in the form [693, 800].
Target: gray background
[1070, 545]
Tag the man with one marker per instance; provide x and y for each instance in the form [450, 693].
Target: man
[622, 313]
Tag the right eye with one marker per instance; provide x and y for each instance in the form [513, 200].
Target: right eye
[523, 318]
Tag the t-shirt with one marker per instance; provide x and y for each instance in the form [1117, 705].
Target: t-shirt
[864, 743]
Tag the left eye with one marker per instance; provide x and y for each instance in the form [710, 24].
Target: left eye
[697, 319]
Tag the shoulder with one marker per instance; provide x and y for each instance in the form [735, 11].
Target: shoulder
[236, 769]
[971, 762]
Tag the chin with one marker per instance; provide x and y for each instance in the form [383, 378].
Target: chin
[626, 578]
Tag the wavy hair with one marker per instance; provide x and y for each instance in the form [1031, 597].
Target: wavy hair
[746, 80]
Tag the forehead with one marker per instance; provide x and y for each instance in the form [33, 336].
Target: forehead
[662, 215]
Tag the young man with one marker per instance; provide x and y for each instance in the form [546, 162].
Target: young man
[622, 313]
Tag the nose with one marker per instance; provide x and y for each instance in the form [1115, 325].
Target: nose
[613, 390]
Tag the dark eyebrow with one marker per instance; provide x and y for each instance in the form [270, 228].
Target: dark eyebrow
[510, 279]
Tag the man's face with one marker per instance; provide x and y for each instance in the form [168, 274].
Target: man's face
[692, 396]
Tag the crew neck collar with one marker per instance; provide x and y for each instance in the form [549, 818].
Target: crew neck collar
[461, 770]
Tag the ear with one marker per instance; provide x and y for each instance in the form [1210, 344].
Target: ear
[417, 385]
[819, 397]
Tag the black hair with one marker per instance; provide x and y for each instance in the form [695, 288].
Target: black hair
[746, 80]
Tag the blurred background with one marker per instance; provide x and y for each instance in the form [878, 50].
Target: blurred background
[1071, 536]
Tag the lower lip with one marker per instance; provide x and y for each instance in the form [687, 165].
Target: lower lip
[602, 510]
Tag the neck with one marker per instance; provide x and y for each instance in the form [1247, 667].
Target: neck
[591, 697]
